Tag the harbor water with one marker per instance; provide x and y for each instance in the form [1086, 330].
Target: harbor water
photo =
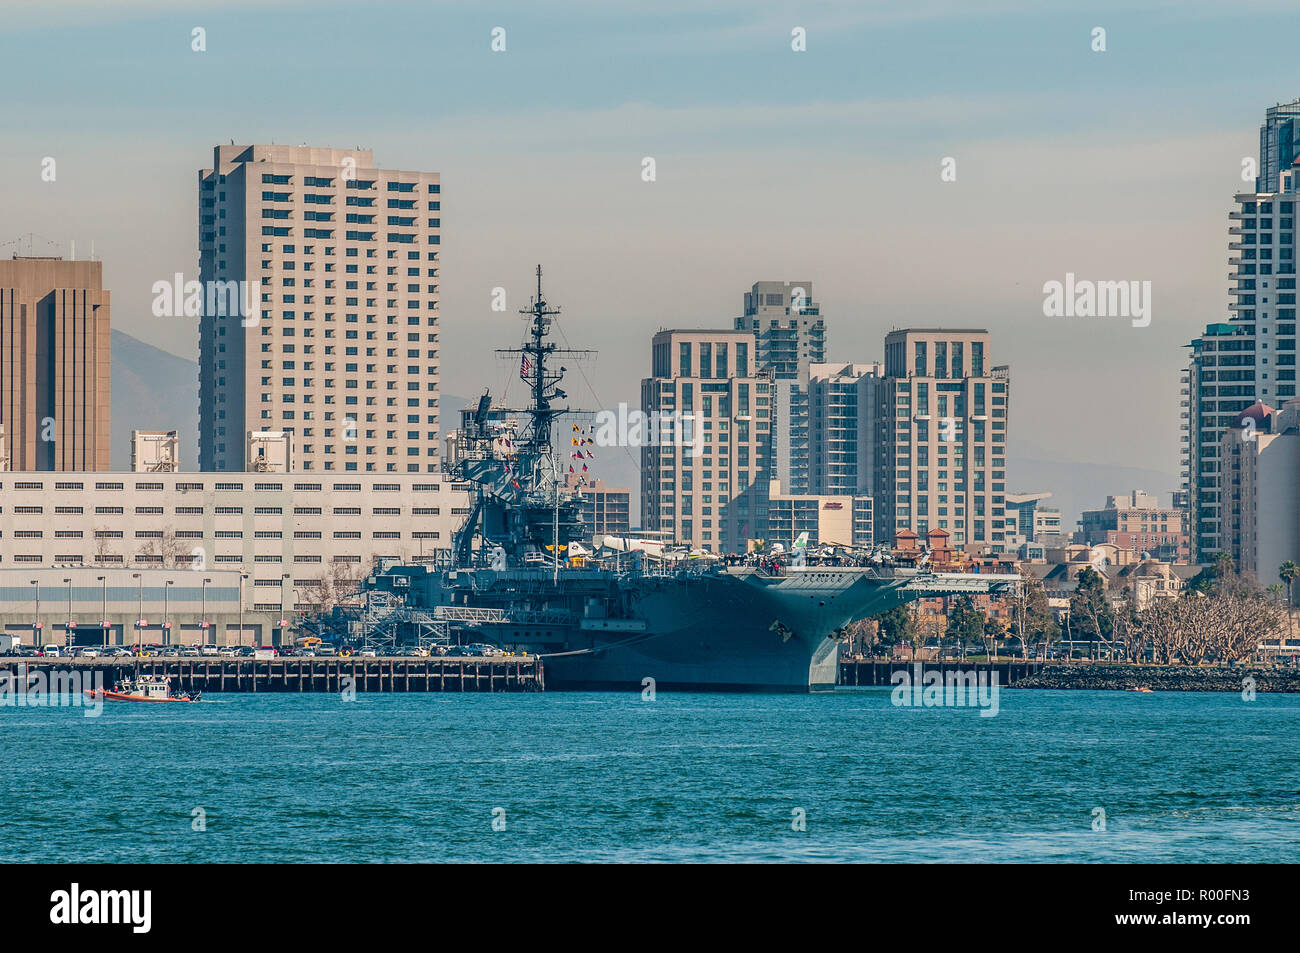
[841, 776]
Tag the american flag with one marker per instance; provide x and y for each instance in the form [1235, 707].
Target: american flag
[525, 368]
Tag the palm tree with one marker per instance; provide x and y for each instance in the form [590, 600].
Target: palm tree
[1288, 573]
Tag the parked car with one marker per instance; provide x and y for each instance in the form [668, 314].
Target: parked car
[209, 650]
[88, 651]
[265, 651]
[52, 651]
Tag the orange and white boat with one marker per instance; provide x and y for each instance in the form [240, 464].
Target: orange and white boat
[1142, 689]
[145, 688]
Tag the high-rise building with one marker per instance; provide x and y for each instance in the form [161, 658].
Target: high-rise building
[1260, 453]
[340, 260]
[54, 364]
[790, 335]
[842, 427]
[1218, 384]
[715, 499]
[1252, 356]
[1279, 144]
[941, 459]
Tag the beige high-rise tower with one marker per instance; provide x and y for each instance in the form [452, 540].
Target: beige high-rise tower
[54, 364]
[340, 346]
[940, 460]
[712, 495]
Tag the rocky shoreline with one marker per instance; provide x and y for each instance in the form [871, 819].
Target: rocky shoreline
[1162, 678]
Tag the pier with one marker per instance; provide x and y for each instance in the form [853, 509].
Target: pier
[868, 672]
[433, 674]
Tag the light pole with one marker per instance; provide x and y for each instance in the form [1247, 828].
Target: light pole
[36, 623]
[284, 620]
[167, 626]
[139, 609]
[203, 612]
[103, 607]
[67, 626]
[242, 577]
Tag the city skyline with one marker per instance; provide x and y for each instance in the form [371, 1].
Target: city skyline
[1150, 175]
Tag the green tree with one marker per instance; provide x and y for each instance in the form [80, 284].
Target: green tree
[1089, 605]
[966, 624]
[1289, 572]
[895, 625]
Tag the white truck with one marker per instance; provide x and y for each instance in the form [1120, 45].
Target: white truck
[8, 643]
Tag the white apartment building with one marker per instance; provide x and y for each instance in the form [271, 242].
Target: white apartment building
[1260, 457]
[341, 349]
[310, 529]
[1252, 356]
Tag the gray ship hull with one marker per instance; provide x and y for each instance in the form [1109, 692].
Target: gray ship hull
[737, 630]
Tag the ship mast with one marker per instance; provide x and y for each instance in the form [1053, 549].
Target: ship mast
[536, 353]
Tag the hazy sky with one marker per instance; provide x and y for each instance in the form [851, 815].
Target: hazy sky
[772, 164]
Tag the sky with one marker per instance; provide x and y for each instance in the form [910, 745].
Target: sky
[771, 164]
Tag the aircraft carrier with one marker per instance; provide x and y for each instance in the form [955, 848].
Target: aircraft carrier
[625, 613]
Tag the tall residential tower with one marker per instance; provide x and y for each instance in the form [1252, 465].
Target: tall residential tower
[340, 349]
[790, 335]
[941, 456]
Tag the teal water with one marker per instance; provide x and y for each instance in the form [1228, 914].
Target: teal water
[1182, 777]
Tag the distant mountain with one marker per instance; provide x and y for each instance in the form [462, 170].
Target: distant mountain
[152, 390]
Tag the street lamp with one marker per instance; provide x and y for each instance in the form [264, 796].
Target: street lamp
[167, 626]
[103, 607]
[68, 626]
[242, 577]
[139, 610]
[36, 623]
[203, 613]
[284, 620]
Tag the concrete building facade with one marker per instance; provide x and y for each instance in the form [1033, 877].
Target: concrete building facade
[841, 520]
[941, 460]
[1135, 523]
[843, 427]
[54, 364]
[341, 347]
[1260, 452]
[790, 335]
[716, 499]
[314, 529]
[606, 510]
[124, 606]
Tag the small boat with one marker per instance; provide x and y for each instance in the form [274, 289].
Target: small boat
[144, 688]
[1141, 688]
